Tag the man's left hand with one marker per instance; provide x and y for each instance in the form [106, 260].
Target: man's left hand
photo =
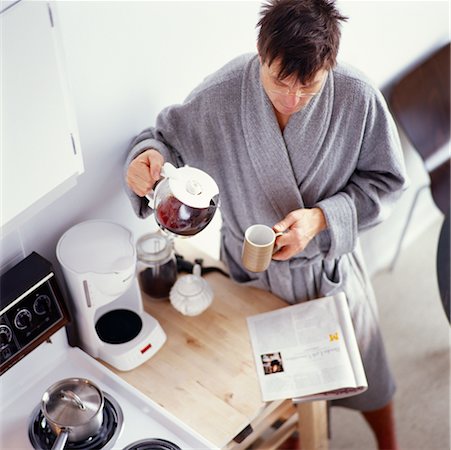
[299, 227]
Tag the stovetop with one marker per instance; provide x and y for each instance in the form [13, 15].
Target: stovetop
[22, 387]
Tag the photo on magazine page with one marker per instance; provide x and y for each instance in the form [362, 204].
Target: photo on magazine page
[272, 363]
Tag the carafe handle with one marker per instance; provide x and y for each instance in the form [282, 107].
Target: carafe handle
[151, 197]
[167, 171]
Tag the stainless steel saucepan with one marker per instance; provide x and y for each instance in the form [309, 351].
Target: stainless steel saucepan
[73, 408]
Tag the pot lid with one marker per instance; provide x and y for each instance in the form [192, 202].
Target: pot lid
[191, 186]
[72, 402]
[190, 286]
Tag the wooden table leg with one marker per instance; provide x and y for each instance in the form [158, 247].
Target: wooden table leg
[313, 429]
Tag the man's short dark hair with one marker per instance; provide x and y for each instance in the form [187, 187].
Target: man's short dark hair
[303, 34]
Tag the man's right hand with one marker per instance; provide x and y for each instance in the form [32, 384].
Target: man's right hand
[144, 171]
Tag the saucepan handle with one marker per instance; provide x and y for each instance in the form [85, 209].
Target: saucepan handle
[61, 440]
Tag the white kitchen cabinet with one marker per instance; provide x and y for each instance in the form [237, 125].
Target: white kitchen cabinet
[40, 152]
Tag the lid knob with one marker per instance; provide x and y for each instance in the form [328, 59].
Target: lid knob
[193, 187]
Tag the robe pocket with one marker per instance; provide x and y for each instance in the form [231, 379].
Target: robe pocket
[331, 277]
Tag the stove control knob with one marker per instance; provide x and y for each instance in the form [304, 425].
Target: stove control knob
[41, 305]
[22, 319]
[5, 335]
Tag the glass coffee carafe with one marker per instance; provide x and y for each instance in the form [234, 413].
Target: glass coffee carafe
[157, 265]
[184, 201]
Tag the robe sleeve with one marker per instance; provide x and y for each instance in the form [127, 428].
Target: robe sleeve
[377, 182]
[163, 138]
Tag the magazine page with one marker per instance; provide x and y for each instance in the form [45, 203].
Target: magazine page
[344, 315]
[351, 342]
[300, 350]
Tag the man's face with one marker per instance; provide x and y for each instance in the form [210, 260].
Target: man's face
[288, 95]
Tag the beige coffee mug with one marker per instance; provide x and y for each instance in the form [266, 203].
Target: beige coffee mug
[258, 247]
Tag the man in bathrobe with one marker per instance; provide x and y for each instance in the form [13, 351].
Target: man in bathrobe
[303, 144]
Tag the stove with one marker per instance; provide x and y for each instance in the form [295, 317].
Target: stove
[32, 359]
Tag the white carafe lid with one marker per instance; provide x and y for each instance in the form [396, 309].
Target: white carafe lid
[191, 186]
[97, 246]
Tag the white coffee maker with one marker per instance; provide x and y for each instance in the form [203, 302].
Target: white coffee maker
[99, 262]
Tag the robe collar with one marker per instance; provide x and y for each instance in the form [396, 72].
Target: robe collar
[269, 149]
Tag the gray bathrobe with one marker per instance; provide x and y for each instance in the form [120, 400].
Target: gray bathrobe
[340, 153]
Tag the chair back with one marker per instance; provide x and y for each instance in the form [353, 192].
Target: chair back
[420, 103]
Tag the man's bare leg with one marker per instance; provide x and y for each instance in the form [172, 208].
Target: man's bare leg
[382, 422]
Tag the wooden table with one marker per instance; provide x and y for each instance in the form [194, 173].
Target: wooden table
[205, 373]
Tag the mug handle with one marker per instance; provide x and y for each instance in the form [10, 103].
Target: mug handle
[276, 247]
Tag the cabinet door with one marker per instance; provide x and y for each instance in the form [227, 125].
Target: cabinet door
[39, 145]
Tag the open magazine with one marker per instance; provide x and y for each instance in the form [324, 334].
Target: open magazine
[307, 351]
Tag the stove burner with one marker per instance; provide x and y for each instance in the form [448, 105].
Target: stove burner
[42, 437]
[118, 326]
[152, 444]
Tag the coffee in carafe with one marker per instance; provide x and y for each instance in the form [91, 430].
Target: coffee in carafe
[176, 217]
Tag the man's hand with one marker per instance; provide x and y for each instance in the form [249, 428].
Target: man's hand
[144, 171]
[300, 227]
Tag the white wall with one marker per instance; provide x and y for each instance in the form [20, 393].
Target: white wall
[384, 38]
[127, 60]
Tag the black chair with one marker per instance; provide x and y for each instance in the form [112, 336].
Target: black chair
[420, 103]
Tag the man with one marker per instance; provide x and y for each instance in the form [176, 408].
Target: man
[307, 146]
